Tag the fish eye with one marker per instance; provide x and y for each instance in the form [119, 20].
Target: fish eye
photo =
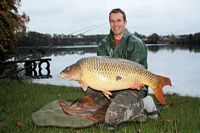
[68, 68]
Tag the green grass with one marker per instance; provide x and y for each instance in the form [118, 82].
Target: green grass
[17, 101]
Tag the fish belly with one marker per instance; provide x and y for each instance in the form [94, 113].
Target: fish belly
[108, 82]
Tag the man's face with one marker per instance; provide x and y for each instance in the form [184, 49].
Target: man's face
[117, 24]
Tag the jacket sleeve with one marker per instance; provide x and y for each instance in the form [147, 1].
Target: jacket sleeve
[137, 52]
[102, 48]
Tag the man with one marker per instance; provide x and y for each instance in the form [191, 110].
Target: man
[127, 105]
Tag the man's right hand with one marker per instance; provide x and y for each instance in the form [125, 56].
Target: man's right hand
[136, 85]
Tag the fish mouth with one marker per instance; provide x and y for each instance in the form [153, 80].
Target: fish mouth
[62, 76]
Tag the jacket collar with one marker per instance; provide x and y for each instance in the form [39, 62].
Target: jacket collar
[124, 37]
[127, 33]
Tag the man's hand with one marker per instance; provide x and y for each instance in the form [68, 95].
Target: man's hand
[137, 85]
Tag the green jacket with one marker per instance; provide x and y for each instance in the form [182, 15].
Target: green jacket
[130, 47]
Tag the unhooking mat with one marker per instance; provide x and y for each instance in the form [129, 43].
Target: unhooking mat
[53, 115]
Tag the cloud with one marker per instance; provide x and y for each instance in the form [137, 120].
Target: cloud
[145, 17]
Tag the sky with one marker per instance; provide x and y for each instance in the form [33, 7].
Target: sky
[164, 17]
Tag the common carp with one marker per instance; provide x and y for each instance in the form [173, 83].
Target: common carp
[108, 74]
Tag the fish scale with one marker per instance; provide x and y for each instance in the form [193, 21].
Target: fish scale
[111, 69]
[108, 74]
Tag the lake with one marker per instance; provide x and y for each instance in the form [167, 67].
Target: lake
[181, 64]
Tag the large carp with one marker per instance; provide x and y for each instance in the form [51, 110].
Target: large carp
[108, 74]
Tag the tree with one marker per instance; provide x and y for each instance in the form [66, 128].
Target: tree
[12, 24]
[139, 35]
[153, 38]
[197, 38]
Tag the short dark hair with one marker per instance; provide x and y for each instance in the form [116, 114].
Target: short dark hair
[118, 10]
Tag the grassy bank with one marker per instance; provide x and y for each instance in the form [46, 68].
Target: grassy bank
[17, 101]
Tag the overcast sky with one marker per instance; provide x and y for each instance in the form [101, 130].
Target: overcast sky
[143, 16]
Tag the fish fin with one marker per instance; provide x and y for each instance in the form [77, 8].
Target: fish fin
[107, 94]
[83, 85]
[163, 81]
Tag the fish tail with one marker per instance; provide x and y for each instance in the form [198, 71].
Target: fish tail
[163, 81]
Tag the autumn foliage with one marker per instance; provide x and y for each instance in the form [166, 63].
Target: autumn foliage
[12, 24]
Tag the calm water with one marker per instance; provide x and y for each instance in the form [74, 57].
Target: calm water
[180, 64]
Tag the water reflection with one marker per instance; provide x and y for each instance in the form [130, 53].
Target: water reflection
[173, 47]
[80, 50]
